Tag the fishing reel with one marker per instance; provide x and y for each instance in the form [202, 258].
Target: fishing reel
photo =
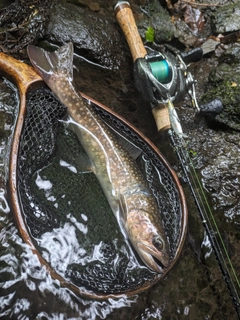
[161, 76]
[164, 76]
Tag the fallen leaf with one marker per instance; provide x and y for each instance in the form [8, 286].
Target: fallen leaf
[209, 45]
[194, 19]
[149, 34]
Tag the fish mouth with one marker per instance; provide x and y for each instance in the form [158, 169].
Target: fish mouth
[155, 260]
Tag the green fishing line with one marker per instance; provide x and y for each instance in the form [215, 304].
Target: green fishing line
[208, 219]
[161, 71]
[197, 182]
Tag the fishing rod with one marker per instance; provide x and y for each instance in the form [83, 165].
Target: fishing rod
[163, 78]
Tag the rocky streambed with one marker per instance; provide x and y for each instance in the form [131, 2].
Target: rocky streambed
[194, 289]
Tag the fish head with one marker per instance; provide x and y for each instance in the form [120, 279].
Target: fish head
[149, 241]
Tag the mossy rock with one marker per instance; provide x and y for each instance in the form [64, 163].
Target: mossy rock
[224, 83]
[226, 18]
[157, 18]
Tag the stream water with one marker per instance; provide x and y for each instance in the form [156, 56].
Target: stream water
[194, 288]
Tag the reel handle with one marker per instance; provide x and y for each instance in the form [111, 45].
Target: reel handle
[213, 107]
[125, 18]
[193, 55]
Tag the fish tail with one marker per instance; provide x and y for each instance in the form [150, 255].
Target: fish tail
[58, 63]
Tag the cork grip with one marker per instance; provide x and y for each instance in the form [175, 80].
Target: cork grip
[161, 117]
[127, 23]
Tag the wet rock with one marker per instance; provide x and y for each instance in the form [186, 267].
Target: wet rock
[226, 18]
[220, 174]
[194, 288]
[92, 5]
[231, 54]
[184, 34]
[94, 36]
[224, 83]
[21, 23]
[190, 299]
[158, 18]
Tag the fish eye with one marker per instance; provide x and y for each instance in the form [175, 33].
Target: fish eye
[158, 243]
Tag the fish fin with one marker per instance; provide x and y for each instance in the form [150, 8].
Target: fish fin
[123, 208]
[131, 148]
[59, 62]
[133, 151]
[84, 164]
[82, 161]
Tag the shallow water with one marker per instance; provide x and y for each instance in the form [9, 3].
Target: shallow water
[194, 288]
[26, 288]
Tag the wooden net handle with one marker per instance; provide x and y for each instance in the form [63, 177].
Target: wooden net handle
[128, 25]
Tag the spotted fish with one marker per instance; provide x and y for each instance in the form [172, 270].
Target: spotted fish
[118, 174]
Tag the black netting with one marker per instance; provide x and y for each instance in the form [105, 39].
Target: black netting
[37, 146]
[66, 211]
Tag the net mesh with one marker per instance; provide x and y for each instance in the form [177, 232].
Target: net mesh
[66, 211]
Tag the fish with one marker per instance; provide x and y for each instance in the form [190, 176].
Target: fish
[121, 180]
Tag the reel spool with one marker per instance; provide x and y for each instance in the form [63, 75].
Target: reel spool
[161, 71]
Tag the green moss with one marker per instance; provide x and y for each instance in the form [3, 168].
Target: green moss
[225, 90]
[149, 34]
[224, 84]
[192, 153]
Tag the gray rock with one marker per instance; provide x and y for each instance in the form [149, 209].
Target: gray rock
[227, 18]
[158, 18]
[184, 34]
[224, 84]
[93, 35]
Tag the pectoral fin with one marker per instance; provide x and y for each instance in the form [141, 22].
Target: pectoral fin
[84, 164]
[123, 208]
[133, 150]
